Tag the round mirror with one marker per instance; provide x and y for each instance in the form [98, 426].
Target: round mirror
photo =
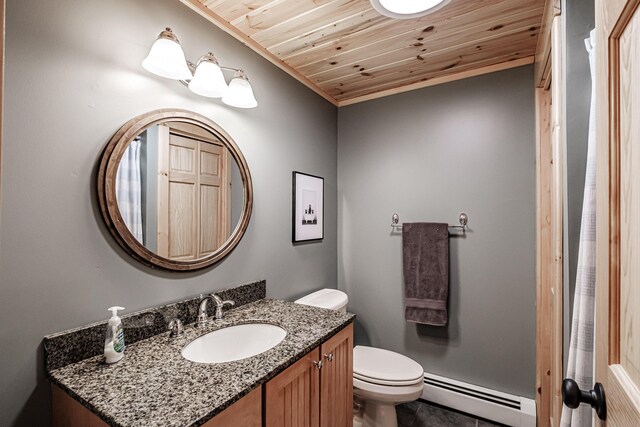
[175, 190]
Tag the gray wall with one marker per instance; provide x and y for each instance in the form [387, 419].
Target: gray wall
[73, 77]
[579, 21]
[429, 155]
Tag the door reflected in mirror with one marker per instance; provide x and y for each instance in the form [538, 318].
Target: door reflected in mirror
[179, 191]
[175, 190]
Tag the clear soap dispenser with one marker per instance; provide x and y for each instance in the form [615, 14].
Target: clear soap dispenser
[114, 341]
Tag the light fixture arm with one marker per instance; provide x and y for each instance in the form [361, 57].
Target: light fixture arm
[192, 67]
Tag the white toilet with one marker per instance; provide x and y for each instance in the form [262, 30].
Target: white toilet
[381, 378]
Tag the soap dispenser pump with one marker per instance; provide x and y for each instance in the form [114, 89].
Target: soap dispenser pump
[114, 341]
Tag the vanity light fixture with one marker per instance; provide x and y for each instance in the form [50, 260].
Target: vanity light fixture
[166, 58]
[407, 9]
[240, 93]
[206, 78]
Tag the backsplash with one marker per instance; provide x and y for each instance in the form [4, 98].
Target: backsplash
[77, 344]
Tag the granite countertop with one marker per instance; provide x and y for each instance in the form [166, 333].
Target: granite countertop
[153, 385]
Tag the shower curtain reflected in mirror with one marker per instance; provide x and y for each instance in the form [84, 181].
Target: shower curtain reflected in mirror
[129, 190]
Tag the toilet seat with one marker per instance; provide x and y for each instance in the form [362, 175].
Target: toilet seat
[386, 368]
[378, 381]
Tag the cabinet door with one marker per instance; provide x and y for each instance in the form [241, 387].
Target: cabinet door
[292, 398]
[336, 380]
[246, 412]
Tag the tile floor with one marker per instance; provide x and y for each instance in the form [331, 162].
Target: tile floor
[424, 414]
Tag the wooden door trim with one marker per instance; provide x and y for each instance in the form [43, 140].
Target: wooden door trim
[549, 222]
[542, 67]
[613, 144]
[544, 254]
[557, 221]
[2, 37]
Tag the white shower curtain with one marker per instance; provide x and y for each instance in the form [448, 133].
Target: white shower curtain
[581, 350]
[129, 189]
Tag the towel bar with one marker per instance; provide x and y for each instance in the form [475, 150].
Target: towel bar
[463, 219]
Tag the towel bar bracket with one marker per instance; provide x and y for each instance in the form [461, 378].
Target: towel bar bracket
[463, 219]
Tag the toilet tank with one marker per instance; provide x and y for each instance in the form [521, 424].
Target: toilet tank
[332, 299]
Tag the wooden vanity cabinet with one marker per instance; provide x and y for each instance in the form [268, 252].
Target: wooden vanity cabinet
[246, 412]
[68, 412]
[317, 390]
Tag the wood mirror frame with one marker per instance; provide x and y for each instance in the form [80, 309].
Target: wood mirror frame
[110, 211]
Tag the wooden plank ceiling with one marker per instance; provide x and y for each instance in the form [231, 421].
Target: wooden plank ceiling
[347, 52]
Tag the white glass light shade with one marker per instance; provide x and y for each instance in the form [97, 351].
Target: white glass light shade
[208, 79]
[166, 58]
[406, 9]
[240, 93]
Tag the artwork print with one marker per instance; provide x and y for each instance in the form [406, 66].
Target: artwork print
[308, 207]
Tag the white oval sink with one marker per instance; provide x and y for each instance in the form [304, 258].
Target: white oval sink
[234, 343]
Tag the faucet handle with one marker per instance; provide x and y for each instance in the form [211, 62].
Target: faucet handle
[175, 328]
[220, 304]
[216, 299]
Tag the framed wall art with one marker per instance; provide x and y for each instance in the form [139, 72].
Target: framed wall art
[308, 207]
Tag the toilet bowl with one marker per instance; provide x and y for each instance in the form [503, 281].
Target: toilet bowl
[382, 379]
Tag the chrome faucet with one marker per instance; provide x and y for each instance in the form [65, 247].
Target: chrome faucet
[203, 318]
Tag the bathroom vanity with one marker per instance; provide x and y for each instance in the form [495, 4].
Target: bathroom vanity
[306, 379]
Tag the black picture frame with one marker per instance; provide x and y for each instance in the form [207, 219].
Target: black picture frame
[307, 207]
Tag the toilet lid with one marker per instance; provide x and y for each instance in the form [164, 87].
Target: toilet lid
[385, 367]
[332, 299]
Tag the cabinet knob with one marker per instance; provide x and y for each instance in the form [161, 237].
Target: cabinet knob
[318, 363]
[329, 357]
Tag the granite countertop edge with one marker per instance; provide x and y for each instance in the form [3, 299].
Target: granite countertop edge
[339, 322]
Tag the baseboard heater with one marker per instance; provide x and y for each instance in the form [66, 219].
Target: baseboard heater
[479, 401]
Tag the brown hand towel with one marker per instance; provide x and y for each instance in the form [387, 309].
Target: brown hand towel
[425, 254]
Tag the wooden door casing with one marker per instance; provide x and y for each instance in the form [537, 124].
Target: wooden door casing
[336, 380]
[618, 208]
[292, 399]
